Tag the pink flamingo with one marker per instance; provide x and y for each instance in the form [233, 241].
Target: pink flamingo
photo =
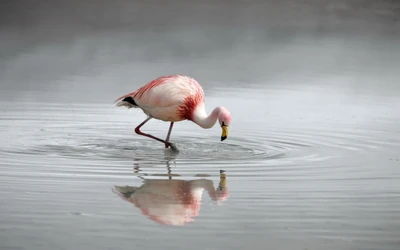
[174, 98]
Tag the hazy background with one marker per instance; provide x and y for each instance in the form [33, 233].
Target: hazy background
[103, 46]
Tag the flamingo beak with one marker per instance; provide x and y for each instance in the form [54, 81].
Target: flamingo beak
[224, 132]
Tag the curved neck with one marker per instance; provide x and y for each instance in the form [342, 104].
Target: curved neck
[201, 118]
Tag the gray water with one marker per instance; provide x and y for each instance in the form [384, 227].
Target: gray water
[311, 162]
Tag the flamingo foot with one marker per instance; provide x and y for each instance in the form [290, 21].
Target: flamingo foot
[173, 146]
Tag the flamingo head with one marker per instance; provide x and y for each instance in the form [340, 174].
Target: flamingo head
[224, 119]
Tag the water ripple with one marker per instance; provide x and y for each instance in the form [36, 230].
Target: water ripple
[99, 141]
[86, 164]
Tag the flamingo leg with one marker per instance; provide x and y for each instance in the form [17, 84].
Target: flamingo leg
[169, 133]
[137, 130]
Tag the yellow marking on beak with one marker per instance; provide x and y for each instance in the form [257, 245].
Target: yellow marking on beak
[225, 130]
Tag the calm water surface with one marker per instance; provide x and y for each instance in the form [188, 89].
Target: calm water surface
[302, 169]
[312, 160]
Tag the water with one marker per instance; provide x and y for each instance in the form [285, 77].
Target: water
[311, 162]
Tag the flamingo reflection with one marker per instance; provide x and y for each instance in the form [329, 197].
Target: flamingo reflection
[172, 202]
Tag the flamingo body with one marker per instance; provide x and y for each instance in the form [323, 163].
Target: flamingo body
[168, 98]
[174, 98]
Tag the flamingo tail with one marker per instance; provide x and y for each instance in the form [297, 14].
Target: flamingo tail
[126, 101]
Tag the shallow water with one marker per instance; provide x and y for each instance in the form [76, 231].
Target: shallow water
[311, 162]
[70, 172]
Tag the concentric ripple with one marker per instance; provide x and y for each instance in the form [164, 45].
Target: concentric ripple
[81, 143]
[279, 151]
[96, 138]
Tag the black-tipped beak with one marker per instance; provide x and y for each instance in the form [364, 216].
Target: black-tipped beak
[223, 138]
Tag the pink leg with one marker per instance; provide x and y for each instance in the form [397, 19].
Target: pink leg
[169, 133]
[137, 130]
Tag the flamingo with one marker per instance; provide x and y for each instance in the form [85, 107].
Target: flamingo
[171, 99]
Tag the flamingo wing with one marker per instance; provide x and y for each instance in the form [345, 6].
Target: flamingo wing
[168, 98]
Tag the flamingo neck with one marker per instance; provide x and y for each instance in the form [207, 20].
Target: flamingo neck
[201, 118]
